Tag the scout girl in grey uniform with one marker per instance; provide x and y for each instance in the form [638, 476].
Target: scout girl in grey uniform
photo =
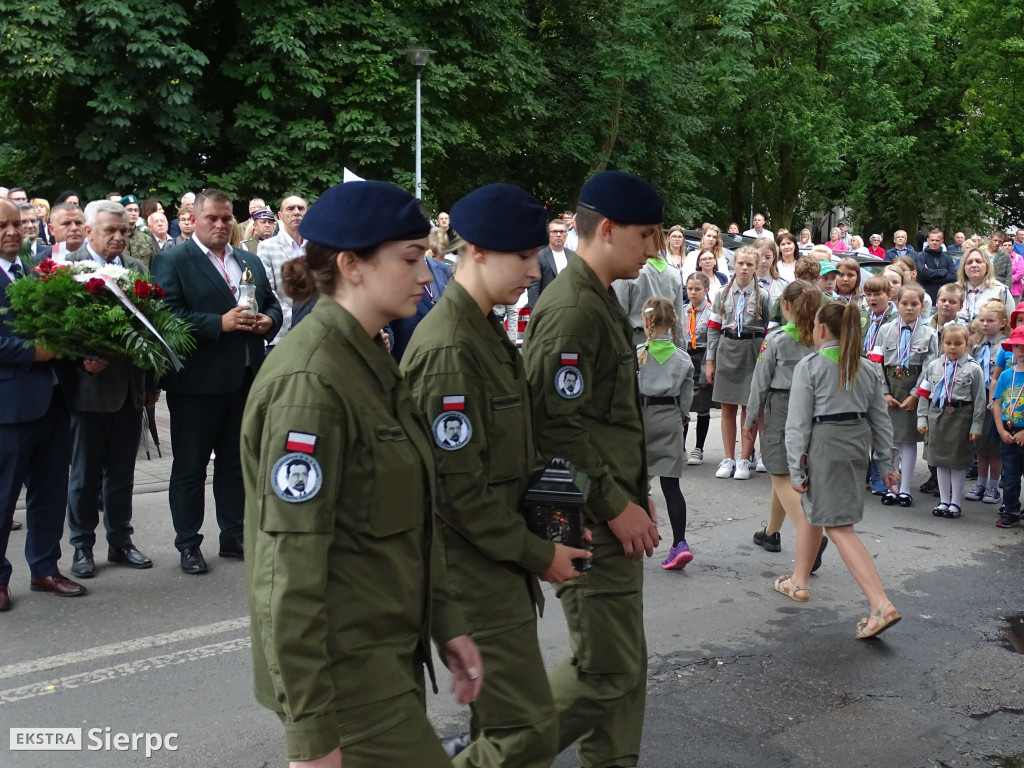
[769, 395]
[464, 371]
[835, 409]
[345, 576]
[695, 341]
[739, 317]
[992, 319]
[656, 278]
[767, 273]
[905, 347]
[950, 414]
[666, 389]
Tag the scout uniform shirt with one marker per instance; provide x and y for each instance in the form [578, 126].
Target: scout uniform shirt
[893, 350]
[655, 279]
[723, 315]
[695, 327]
[871, 324]
[780, 353]
[345, 581]
[987, 355]
[470, 382]
[947, 382]
[582, 367]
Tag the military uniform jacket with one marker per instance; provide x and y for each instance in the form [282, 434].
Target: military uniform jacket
[141, 245]
[651, 282]
[816, 392]
[578, 324]
[774, 370]
[461, 366]
[924, 347]
[723, 315]
[346, 583]
[968, 384]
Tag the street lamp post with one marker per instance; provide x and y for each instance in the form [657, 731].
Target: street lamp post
[418, 57]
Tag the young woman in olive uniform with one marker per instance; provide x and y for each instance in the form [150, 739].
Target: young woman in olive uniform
[467, 376]
[346, 583]
[582, 367]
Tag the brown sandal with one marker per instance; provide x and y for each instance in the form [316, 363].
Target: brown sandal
[881, 623]
[784, 585]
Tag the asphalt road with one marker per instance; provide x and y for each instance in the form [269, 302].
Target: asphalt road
[739, 675]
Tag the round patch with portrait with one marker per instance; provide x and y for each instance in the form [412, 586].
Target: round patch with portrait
[296, 477]
[569, 382]
[451, 430]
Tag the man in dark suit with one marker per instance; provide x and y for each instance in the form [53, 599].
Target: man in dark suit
[106, 421]
[206, 398]
[553, 257]
[30, 230]
[34, 438]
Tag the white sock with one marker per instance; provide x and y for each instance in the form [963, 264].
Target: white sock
[957, 476]
[942, 475]
[908, 458]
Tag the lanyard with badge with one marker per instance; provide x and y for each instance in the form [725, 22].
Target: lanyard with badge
[1008, 413]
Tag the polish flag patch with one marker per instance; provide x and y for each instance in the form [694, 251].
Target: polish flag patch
[925, 390]
[570, 358]
[715, 322]
[453, 403]
[303, 442]
[877, 355]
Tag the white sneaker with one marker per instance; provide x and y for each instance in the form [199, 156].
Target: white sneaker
[696, 457]
[725, 468]
[760, 464]
[742, 470]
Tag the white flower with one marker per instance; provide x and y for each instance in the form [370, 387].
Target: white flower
[113, 271]
[81, 267]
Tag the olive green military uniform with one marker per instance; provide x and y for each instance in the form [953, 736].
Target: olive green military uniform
[141, 245]
[462, 367]
[345, 581]
[595, 422]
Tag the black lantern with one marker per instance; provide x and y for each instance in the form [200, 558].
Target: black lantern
[554, 507]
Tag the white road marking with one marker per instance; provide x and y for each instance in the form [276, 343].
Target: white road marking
[128, 646]
[108, 674]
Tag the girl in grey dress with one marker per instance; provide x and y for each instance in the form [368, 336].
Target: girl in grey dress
[666, 389]
[769, 395]
[835, 410]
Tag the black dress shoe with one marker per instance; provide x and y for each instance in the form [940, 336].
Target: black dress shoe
[232, 548]
[192, 561]
[83, 565]
[128, 556]
[5, 598]
[455, 744]
[59, 585]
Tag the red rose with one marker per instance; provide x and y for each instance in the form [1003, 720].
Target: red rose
[94, 285]
[158, 292]
[142, 289]
[47, 267]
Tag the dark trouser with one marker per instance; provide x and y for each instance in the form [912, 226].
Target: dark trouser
[36, 453]
[1013, 466]
[103, 449]
[201, 424]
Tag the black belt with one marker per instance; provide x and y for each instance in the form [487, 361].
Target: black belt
[658, 400]
[744, 335]
[777, 389]
[956, 404]
[851, 416]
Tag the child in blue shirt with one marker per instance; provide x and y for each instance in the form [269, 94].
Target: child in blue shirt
[1008, 408]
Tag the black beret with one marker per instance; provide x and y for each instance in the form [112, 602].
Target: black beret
[361, 215]
[624, 198]
[501, 217]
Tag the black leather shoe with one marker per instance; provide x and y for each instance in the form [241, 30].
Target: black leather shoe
[5, 598]
[16, 526]
[83, 565]
[455, 744]
[128, 556]
[192, 561]
[232, 548]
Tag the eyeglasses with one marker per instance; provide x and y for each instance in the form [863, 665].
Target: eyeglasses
[559, 231]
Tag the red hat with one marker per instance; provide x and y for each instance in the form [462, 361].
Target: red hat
[1016, 339]
[1015, 314]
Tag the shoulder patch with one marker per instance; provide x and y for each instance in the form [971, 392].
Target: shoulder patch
[569, 381]
[451, 429]
[296, 477]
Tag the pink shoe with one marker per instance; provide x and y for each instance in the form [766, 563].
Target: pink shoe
[678, 557]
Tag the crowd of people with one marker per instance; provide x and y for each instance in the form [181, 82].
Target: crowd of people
[347, 343]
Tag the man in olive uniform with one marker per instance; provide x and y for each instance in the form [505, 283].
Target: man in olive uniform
[469, 380]
[141, 244]
[579, 328]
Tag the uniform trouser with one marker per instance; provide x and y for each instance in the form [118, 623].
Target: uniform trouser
[36, 453]
[103, 449]
[513, 720]
[601, 691]
[394, 732]
[201, 424]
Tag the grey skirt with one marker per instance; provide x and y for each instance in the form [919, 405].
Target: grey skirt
[904, 423]
[773, 436]
[945, 444]
[734, 369]
[663, 434]
[837, 462]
